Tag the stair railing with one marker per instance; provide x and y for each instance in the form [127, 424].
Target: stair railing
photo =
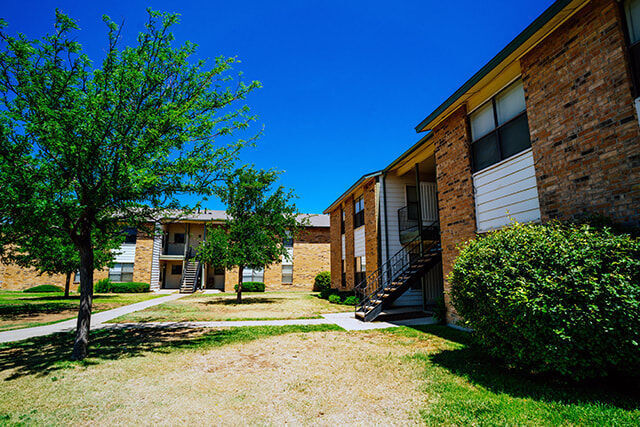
[374, 285]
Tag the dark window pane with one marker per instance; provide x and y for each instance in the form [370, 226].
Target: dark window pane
[178, 238]
[485, 152]
[514, 136]
[412, 196]
[634, 51]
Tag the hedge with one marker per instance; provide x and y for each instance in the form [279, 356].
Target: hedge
[251, 287]
[322, 281]
[44, 288]
[107, 286]
[554, 298]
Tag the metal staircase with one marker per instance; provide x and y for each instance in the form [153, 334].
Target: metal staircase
[381, 288]
[190, 274]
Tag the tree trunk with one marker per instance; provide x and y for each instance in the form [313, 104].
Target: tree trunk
[67, 283]
[239, 291]
[86, 298]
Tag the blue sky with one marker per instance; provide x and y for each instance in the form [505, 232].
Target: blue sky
[345, 82]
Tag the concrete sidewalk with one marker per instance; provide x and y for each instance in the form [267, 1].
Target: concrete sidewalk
[344, 320]
[97, 320]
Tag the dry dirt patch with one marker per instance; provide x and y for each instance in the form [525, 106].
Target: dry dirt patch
[324, 378]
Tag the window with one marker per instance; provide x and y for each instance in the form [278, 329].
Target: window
[499, 129]
[361, 269]
[252, 275]
[342, 221]
[176, 269]
[287, 274]
[131, 235]
[343, 275]
[288, 241]
[632, 13]
[412, 203]
[178, 238]
[358, 208]
[121, 272]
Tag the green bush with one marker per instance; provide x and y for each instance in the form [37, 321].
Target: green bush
[351, 300]
[335, 299]
[102, 286]
[106, 286]
[440, 311]
[44, 288]
[322, 281]
[553, 298]
[251, 287]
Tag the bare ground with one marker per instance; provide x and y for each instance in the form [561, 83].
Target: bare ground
[324, 378]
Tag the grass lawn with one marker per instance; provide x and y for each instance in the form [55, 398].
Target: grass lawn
[299, 375]
[23, 310]
[254, 306]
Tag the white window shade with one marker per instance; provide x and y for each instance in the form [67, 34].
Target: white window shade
[510, 103]
[482, 121]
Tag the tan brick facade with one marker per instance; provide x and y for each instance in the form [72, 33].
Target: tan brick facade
[143, 260]
[371, 225]
[349, 247]
[336, 247]
[583, 125]
[14, 277]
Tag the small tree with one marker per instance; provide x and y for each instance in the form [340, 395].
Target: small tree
[258, 219]
[90, 150]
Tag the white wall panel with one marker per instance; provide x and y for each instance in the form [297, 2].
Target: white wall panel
[126, 253]
[506, 190]
[358, 242]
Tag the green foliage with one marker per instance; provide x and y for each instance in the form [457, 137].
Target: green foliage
[259, 218]
[335, 299]
[440, 311]
[87, 149]
[251, 287]
[44, 288]
[103, 286]
[322, 281]
[107, 286]
[351, 300]
[553, 298]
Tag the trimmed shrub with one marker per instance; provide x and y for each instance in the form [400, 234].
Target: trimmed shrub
[322, 281]
[251, 287]
[553, 298]
[102, 286]
[351, 300]
[44, 288]
[107, 286]
[335, 299]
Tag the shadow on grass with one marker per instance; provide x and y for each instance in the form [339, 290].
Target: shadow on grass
[245, 301]
[42, 355]
[469, 362]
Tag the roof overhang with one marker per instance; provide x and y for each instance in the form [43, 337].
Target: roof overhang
[505, 66]
[351, 189]
[420, 151]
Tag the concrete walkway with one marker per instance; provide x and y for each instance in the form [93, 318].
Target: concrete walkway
[344, 320]
[97, 320]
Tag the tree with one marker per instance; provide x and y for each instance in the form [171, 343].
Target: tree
[90, 150]
[258, 219]
[53, 253]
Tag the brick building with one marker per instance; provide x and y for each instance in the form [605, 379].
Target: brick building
[166, 259]
[547, 129]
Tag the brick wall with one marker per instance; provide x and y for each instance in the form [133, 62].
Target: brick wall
[455, 189]
[583, 124]
[349, 248]
[143, 260]
[14, 277]
[335, 218]
[371, 225]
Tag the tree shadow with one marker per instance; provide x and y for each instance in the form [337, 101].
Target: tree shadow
[70, 298]
[43, 355]
[245, 301]
[469, 362]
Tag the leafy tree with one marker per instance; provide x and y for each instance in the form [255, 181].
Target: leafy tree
[53, 253]
[92, 149]
[258, 219]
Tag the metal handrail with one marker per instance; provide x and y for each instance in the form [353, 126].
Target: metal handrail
[377, 282]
